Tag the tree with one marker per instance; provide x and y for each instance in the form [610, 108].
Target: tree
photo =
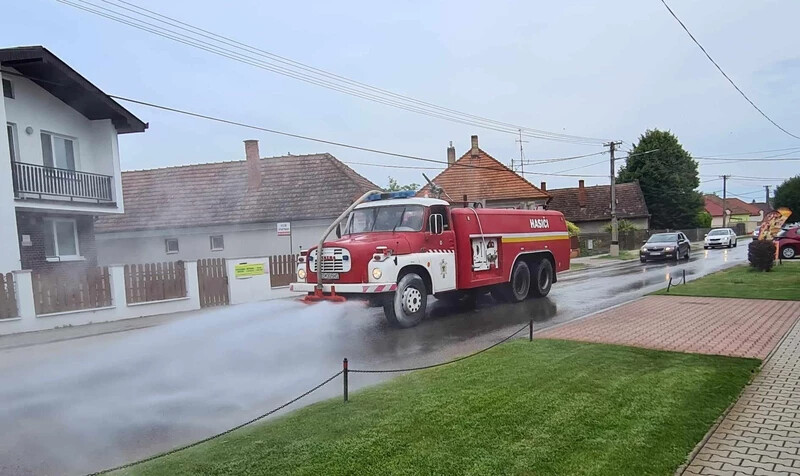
[396, 187]
[668, 177]
[704, 219]
[622, 225]
[787, 195]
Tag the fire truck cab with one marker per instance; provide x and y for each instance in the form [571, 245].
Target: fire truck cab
[395, 250]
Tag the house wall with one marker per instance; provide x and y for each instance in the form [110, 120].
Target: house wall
[33, 256]
[750, 222]
[96, 146]
[596, 226]
[241, 241]
[9, 251]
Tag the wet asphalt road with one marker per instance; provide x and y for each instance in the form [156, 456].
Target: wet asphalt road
[81, 405]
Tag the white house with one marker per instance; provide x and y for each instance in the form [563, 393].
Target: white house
[61, 168]
[238, 209]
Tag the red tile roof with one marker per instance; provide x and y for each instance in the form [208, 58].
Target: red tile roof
[482, 177]
[294, 187]
[713, 205]
[630, 202]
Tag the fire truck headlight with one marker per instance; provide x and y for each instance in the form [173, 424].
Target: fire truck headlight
[377, 273]
[301, 273]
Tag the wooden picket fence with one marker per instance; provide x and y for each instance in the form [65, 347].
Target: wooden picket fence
[282, 269]
[154, 281]
[8, 297]
[61, 292]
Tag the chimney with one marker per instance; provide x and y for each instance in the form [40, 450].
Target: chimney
[544, 187]
[253, 164]
[451, 155]
[581, 194]
[474, 150]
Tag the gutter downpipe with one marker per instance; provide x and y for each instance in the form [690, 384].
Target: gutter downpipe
[330, 229]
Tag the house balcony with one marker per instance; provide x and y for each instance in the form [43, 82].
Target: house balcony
[43, 182]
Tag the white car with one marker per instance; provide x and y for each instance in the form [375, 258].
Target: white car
[720, 237]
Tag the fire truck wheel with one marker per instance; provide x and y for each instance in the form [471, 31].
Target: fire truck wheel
[406, 307]
[543, 278]
[517, 290]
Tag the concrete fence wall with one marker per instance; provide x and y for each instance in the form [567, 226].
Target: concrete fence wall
[240, 290]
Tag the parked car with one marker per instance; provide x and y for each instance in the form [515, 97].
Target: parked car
[720, 237]
[673, 245]
[755, 233]
[788, 241]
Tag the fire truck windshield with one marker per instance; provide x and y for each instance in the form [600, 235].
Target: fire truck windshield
[386, 218]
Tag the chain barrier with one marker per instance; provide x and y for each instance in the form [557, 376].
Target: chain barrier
[190, 445]
[409, 369]
[344, 372]
[670, 284]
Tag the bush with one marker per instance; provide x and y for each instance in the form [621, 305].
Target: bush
[761, 254]
[573, 229]
[622, 225]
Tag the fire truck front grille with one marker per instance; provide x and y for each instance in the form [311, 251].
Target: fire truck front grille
[334, 260]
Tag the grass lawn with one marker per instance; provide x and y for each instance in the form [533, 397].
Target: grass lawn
[783, 283]
[547, 407]
[577, 266]
[623, 255]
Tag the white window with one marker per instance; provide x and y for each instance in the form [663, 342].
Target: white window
[61, 239]
[13, 147]
[171, 245]
[8, 89]
[58, 151]
[217, 243]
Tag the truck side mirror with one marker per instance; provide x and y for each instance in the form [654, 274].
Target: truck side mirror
[436, 224]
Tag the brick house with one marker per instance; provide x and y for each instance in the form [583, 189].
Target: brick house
[248, 208]
[590, 207]
[477, 177]
[61, 169]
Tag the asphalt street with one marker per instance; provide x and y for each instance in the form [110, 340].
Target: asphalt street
[76, 406]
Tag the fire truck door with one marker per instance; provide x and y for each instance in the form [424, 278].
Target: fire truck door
[484, 253]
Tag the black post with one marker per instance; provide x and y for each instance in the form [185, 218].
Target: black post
[684, 276]
[669, 284]
[530, 331]
[344, 377]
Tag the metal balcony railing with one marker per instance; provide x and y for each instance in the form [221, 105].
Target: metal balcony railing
[54, 182]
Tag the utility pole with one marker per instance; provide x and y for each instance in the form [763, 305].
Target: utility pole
[766, 199]
[521, 155]
[614, 250]
[724, 199]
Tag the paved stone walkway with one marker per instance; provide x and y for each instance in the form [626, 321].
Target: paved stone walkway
[761, 434]
[735, 327]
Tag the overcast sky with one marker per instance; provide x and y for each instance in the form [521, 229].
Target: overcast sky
[600, 69]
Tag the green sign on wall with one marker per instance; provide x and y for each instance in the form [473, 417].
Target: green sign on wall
[246, 270]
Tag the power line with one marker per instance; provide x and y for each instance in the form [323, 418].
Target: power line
[752, 152]
[755, 159]
[723, 72]
[238, 51]
[416, 167]
[309, 138]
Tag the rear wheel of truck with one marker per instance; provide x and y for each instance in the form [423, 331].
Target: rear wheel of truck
[517, 289]
[406, 307]
[542, 278]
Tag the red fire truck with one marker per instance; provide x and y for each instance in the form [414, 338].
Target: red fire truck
[396, 250]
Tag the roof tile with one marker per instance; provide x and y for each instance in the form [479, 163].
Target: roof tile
[294, 187]
[482, 177]
[630, 202]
